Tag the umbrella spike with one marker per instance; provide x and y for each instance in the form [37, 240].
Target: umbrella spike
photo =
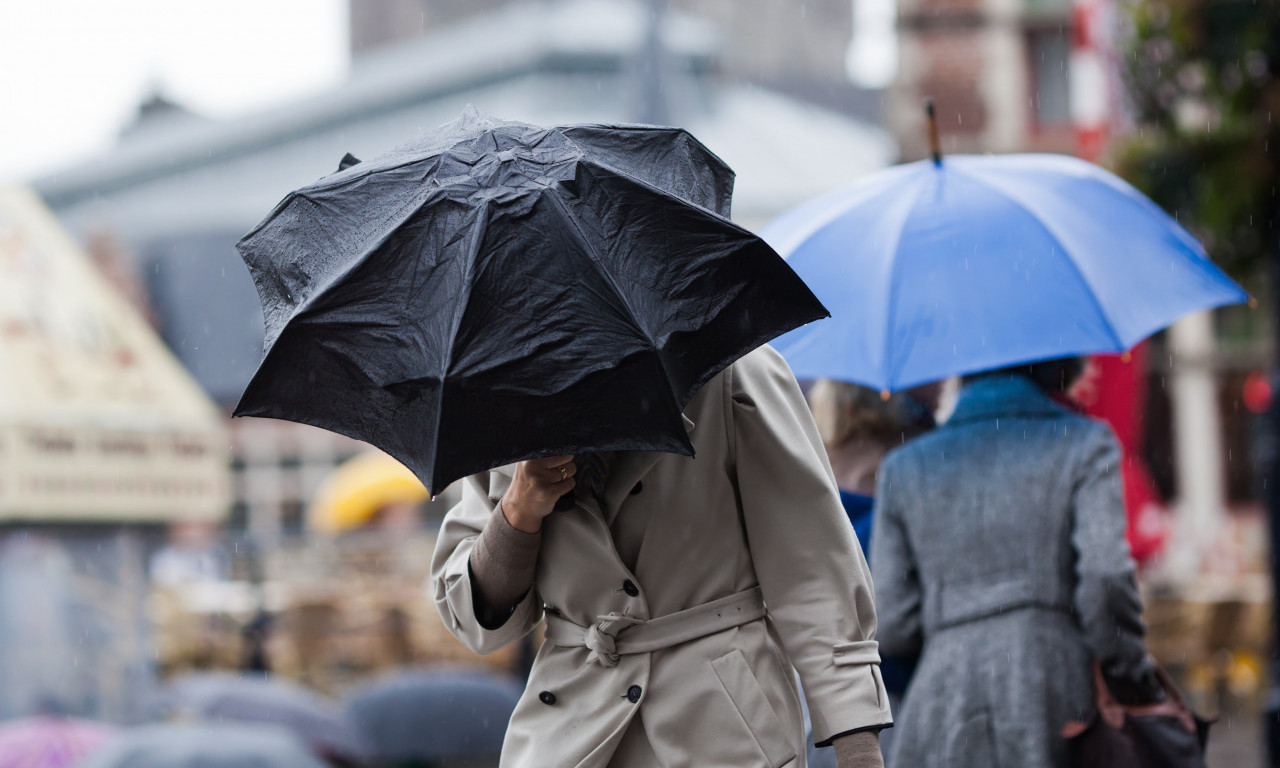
[935, 147]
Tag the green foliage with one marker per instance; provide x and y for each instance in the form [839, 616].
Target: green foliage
[1204, 80]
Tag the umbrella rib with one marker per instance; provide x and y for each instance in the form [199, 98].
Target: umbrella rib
[891, 370]
[473, 251]
[1057, 239]
[608, 278]
[825, 211]
[402, 214]
[581, 239]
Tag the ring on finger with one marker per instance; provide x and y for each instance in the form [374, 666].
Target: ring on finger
[564, 472]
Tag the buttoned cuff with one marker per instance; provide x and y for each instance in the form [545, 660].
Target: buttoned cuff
[847, 697]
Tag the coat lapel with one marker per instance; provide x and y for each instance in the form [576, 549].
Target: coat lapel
[629, 468]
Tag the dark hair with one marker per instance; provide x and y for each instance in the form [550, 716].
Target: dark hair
[1049, 375]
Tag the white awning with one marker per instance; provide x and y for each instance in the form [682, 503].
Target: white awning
[98, 421]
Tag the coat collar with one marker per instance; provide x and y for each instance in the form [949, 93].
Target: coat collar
[629, 467]
[994, 397]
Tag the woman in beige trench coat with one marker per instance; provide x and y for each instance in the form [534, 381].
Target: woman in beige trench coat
[678, 604]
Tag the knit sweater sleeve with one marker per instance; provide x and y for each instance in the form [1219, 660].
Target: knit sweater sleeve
[502, 568]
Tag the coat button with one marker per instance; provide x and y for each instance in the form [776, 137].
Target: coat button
[547, 697]
[630, 588]
[637, 488]
[633, 694]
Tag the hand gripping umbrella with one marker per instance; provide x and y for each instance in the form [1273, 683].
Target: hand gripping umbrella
[497, 291]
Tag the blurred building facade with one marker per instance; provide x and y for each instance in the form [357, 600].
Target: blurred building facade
[179, 190]
[799, 48]
[998, 71]
[1044, 76]
[104, 438]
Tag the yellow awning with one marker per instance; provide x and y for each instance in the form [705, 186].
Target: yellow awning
[354, 492]
[98, 421]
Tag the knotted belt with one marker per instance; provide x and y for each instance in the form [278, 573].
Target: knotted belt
[618, 634]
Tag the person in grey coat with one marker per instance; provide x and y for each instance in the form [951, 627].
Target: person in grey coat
[999, 555]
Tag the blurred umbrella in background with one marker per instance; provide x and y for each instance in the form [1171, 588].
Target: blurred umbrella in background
[497, 291]
[433, 716]
[227, 697]
[969, 263]
[205, 745]
[354, 493]
[50, 742]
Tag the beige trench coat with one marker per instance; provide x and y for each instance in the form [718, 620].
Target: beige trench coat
[758, 506]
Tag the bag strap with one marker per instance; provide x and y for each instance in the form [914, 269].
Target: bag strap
[1113, 712]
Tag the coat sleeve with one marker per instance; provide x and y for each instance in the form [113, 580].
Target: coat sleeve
[815, 580]
[1106, 594]
[451, 576]
[898, 595]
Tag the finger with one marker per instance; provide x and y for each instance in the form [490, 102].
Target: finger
[554, 461]
[561, 473]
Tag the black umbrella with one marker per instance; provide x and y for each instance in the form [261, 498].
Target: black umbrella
[433, 716]
[221, 696]
[497, 291]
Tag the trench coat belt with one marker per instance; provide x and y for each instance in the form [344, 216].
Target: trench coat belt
[616, 634]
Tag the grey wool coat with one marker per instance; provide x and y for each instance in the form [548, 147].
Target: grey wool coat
[999, 554]
[756, 513]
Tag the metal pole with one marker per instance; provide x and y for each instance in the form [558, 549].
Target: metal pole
[651, 69]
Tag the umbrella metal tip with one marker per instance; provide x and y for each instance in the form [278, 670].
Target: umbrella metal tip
[1253, 302]
[1126, 357]
[884, 394]
[935, 144]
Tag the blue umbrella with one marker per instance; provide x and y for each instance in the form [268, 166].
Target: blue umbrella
[940, 268]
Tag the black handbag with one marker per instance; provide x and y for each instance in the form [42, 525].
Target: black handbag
[1162, 735]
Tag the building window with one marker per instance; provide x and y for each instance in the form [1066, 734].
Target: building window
[293, 519]
[1050, 52]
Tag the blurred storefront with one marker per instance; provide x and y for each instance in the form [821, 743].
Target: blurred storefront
[104, 439]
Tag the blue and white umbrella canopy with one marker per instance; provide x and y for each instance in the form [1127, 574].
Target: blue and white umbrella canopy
[983, 262]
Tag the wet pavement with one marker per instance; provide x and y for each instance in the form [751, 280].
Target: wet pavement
[1235, 741]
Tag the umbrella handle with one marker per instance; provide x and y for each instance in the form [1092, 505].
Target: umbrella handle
[934, 144]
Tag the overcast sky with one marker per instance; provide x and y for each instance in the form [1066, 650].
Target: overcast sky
[72, 72]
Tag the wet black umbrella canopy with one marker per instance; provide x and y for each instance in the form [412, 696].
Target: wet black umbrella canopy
[497, 291]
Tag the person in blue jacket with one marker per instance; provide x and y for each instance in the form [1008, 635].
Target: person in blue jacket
[858, 427]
